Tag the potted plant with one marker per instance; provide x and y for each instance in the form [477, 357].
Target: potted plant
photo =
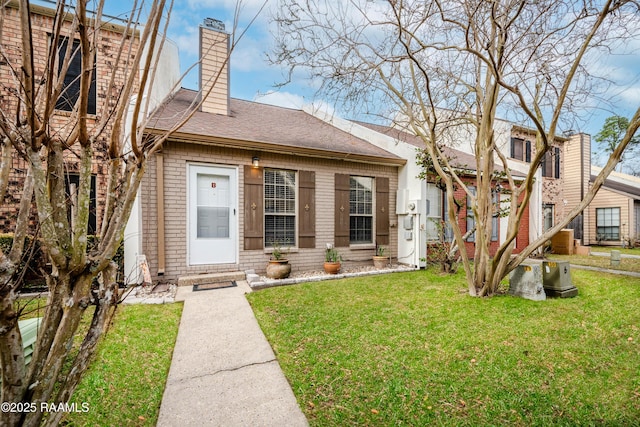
[332, 260]
[380, 259]
[278, 267]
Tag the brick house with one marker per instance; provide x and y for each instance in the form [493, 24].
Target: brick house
[552, 202]
[240, 178]
[108, 41]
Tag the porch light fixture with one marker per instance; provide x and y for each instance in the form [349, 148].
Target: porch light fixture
[255, 161]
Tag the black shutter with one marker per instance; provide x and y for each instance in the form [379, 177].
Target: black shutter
[557, 161]
[528, 152]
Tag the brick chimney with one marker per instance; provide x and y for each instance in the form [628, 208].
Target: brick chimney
[214, 49]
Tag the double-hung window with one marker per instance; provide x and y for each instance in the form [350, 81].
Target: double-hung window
[279, 207]
[547, 214]
[438, 227]
[521, 149]
[551, 163]
[608, 224]
[72, 182]
[71, 89]
[495, 217]
[471, 220]
[360, 209]
[434, 213]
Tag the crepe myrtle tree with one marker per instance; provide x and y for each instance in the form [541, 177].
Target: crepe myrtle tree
[446, 68]
[47, 143]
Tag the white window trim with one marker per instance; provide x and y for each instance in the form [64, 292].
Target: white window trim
[372, 244]
[289, 248]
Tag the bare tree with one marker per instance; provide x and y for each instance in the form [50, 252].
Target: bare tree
[106, 138]
[447, 68]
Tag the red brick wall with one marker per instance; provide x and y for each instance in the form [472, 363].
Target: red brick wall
[107, 45]
[522, 240]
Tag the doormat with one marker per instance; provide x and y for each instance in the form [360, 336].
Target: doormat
[218, 285]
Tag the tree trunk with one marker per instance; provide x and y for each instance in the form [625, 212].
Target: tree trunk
[11, 352]
[106, 299]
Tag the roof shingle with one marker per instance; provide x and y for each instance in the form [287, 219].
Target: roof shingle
[267, 125]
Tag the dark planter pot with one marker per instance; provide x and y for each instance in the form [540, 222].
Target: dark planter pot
[332, 267]
[380, 261]
[278, 269]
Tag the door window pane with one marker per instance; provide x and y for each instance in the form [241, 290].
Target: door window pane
[212, 205]
[213, 222]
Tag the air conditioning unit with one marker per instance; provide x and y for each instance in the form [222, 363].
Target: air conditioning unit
[556, 279]
[526, 282]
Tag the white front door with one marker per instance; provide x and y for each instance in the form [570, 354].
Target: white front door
[212, 221]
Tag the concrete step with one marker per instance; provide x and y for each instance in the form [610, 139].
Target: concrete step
[208, 278]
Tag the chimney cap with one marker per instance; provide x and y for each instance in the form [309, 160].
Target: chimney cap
[214, 24]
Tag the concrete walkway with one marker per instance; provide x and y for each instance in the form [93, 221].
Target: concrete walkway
[606, 270]
[609, 270]
[223, 371]
[608, 254]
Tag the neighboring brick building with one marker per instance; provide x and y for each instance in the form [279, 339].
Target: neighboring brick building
[109, 38]
[522, 149]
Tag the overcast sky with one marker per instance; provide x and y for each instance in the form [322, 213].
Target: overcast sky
[252, 78]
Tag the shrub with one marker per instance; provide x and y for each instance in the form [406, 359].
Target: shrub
[33, 266]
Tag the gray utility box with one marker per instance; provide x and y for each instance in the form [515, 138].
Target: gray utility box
[556, 279]
[526, 282]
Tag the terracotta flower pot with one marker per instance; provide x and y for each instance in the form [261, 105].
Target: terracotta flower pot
[380, 261]
[332, 267]
[278, 269]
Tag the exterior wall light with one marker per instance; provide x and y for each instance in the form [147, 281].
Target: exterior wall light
[255, 161]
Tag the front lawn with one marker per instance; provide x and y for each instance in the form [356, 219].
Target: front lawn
[125, 382]
[414, 349]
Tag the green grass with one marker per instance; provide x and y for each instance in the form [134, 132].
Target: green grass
[414, 349]
[124, 384]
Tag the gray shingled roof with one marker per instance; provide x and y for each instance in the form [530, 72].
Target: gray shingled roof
[457, 158]
[252, 125]
[632, 190]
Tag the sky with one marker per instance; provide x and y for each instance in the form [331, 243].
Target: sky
[253, 78]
